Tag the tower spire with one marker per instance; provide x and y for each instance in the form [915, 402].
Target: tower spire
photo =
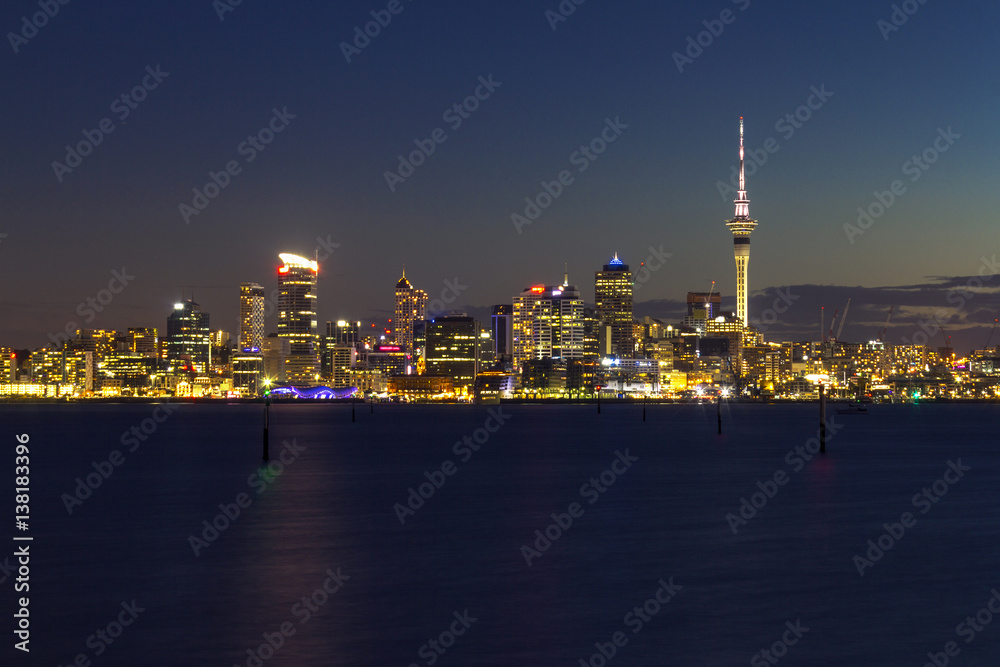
[741, 201]
[742, 179]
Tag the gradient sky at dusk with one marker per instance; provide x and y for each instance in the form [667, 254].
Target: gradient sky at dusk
[323, 176]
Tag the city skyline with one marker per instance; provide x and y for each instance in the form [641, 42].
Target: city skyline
[954, 294]
[834, 119]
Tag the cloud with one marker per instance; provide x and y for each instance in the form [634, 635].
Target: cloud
[965, 306]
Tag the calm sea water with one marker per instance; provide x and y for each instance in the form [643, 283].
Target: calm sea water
[663, 517]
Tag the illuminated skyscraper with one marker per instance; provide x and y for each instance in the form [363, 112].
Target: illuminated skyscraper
[741, 225]
[548, 322]
[297, 318]
[247, 361]
[613, 299]
[411, 307]
[453, 349]
[341, 333]
[251, 317]
[501, 328]
[188, 341]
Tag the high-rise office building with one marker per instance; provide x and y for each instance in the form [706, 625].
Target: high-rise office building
[411, 307]
[613, 300]
[548, 322]
[502, 327]
[101, 342]
[339, 333]
[248, 358]
[188, 341]
[251, 317]
[592, 337]
[46, 365]
[343, 361]
[730, 328]
[452, 349]
[741, 225]
[142, 341]
[344, 332]
[297, 318]
[248, 372]
[275, 351]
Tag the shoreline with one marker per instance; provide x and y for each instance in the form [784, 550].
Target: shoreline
[142, 400]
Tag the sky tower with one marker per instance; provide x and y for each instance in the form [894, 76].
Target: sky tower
[741, 226]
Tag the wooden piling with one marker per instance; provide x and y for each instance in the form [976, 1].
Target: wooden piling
[267, 419]
[822, 420]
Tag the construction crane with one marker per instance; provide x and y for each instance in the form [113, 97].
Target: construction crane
[885, 327]
[881, 338]
[990, 337]
[843, 318]
[947, 341]
[833, 324]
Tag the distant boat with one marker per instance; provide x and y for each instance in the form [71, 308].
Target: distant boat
[853, 409]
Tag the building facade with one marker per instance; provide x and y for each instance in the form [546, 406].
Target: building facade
[501, 325]
[297, 279]
[411, 307]
[188, 344]
[548, 322]
[613, 302]
[452, 350]
[251, 317]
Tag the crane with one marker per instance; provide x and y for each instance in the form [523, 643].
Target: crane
[833, 324]
[843, 318]
[881, 338]
[990, 337]
[885, 327]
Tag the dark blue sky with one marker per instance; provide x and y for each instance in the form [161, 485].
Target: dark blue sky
[656, 185]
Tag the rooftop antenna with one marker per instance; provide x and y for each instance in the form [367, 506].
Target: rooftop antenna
[566, 275]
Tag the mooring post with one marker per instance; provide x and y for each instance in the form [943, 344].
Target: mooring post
[822, 420]
[353, 401]
[598, 400]
[267, 418]
[718, 412]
